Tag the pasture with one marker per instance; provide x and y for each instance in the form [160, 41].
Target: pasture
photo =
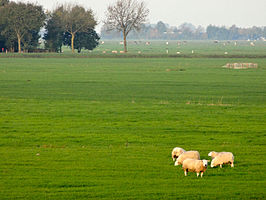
[186, 48]
[104, 128]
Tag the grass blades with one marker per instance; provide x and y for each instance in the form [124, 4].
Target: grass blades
[104, 128]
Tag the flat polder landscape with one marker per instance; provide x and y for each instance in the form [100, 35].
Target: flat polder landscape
[102, 126]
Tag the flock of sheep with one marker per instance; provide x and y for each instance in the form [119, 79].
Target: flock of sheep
[190, 160]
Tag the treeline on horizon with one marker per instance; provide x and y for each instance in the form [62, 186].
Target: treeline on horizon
[187, 31]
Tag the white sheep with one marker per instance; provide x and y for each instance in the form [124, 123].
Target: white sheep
[186, 155]
[177, 151]
[194, 165]
[220, 158]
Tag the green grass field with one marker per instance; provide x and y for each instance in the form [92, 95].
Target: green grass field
[185, 48]
[104, 128]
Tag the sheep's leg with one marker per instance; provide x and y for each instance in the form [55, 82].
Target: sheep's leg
[221, 166]
[201, 174]
[197, 174]
[232, 164]
[185, 172]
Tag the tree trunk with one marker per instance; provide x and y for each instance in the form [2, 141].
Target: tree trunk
[19, 43]
[125, 41]
[72, 42]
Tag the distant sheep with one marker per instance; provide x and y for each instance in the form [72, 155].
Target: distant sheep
[186, 155]
[194, 165]
[177, 151]
[220, 158]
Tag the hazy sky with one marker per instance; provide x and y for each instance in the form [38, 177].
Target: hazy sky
[243, 13]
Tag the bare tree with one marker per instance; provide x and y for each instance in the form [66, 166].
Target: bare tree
[125, 16]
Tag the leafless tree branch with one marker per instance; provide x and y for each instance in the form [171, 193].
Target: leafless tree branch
[125, 16]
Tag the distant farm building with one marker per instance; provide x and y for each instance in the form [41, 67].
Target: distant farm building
[241, 65]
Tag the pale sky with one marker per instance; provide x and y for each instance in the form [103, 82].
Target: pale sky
[243, 13]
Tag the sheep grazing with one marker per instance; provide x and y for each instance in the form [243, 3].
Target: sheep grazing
[177, 151]
[148, 43]
[194, 165]
[220, 158]
[186, 155]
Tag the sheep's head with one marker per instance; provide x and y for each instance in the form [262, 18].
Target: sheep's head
[205, 163]
[174, 157]
[180, 151]
[177, 151]
[212, 154]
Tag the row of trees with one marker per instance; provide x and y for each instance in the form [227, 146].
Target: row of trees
[71, 25]
[188, 31]
[20, 25]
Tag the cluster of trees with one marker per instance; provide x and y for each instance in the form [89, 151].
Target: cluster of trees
[188, 31]
[73, 26]
[20, 25]
[235, 33]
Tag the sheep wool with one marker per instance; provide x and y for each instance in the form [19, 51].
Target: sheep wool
[194, 165]
[177, 151]
[223, 158]
[186, 155]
